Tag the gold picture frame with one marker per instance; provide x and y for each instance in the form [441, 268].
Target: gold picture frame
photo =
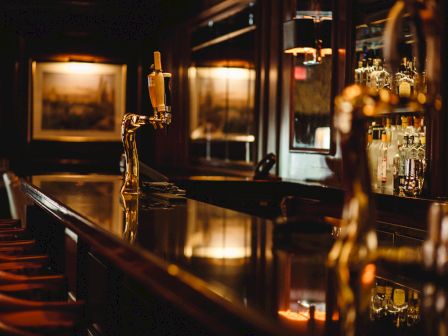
[77, 101]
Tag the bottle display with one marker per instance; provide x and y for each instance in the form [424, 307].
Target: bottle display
[395, 309]
[396, 149]
[399, 165]
[371, 73]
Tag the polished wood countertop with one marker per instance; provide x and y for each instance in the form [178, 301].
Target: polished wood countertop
[236, 273]
[218, 265]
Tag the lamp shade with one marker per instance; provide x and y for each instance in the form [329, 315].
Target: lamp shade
[325, 33]
[299, 34]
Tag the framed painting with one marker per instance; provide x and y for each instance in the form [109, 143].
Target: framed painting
[77, 101]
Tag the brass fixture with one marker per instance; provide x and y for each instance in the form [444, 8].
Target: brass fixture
[130, 205]
[159, 92]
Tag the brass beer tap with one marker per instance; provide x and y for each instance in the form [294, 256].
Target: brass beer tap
[131, 209]
[159, 86]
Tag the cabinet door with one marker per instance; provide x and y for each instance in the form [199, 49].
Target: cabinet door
[221, 80]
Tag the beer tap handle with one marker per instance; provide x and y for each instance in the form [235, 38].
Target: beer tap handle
[159, 83]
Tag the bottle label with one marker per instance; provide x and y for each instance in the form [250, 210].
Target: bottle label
[404, 89]
[399, 297]
[410, 168]
[388, 291]
[383, 170]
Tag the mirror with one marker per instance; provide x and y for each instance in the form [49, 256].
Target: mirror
[308, 38]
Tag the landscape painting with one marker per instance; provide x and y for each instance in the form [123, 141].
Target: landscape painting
[77, 101]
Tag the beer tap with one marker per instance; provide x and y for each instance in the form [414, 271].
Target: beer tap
[159, 92]
[131, 210]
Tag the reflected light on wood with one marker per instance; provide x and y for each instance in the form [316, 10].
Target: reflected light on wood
[218, 252]
[301, 317]
[80, 67]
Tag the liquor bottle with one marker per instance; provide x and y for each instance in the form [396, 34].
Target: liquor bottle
[373, 153]
[397, 179]
[404, 82]
[397, 134]
[368, 71]
[380, 78]
[413, 315]
[411, 168]
[402, 153]
[421, 154]
[390, 311]
[374, 75]
[410, 129]
[382, 171]
[396, 142]
[411, 76]
[404, 124]
[422, 149]
[388, 129]
[400, 306]
[369, 151]
[359, 74]
[377, 303]
[398, 76]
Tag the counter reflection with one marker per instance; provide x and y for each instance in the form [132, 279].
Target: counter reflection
[92, 196]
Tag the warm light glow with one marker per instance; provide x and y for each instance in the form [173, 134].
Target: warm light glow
[368, 275]
[369, 110]
[222, 73]
[301, 50]
[218, 234]
[198, 134]
[217, 252]
[307, 50]
[322, 137]
[173, 269]
[293, 316]
[421, 97]
[80, 67]
[301, 317]
[231, 73]
[326, 51]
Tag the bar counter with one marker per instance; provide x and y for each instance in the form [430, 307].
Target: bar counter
[183, 266]
[216, 267]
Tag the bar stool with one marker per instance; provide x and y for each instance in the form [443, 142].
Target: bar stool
[32, 300]
[16, 247]
[9, 223]
[37, 287]
[41, 318]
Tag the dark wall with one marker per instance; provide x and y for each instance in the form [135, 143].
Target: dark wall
[122, 32]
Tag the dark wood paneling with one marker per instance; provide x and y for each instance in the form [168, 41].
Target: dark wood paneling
[101, 296]
[49, 236]
[119, 32]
